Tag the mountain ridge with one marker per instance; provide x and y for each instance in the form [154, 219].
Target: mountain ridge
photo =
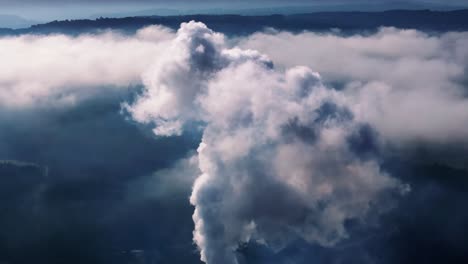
[427, 20]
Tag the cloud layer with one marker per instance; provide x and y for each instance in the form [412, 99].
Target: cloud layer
[60, 69]
[409, 85]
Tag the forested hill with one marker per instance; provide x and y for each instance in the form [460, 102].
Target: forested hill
[239, 25]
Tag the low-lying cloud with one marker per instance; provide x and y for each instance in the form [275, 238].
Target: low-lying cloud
[411, 86]
[60, 69]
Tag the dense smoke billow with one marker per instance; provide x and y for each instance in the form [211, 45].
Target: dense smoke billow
[301, 137]
[277, 156]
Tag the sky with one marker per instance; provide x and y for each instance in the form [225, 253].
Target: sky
[46, 10]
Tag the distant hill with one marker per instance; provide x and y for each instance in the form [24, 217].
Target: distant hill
[239, 25]
[376, 6]
[145, 12]
[11, 21]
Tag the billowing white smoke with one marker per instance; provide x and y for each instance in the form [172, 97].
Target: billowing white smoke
[180, 74]
[275, 156]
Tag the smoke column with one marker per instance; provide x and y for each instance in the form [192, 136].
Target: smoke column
[277, 156]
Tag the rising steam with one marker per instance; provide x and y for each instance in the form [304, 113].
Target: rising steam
[277, 156]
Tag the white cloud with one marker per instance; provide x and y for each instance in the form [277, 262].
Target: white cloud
[60, 69]
[407, 84]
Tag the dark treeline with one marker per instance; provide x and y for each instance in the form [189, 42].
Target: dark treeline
[240, 25]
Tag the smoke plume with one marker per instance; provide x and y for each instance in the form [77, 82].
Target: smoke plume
[276, 157]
